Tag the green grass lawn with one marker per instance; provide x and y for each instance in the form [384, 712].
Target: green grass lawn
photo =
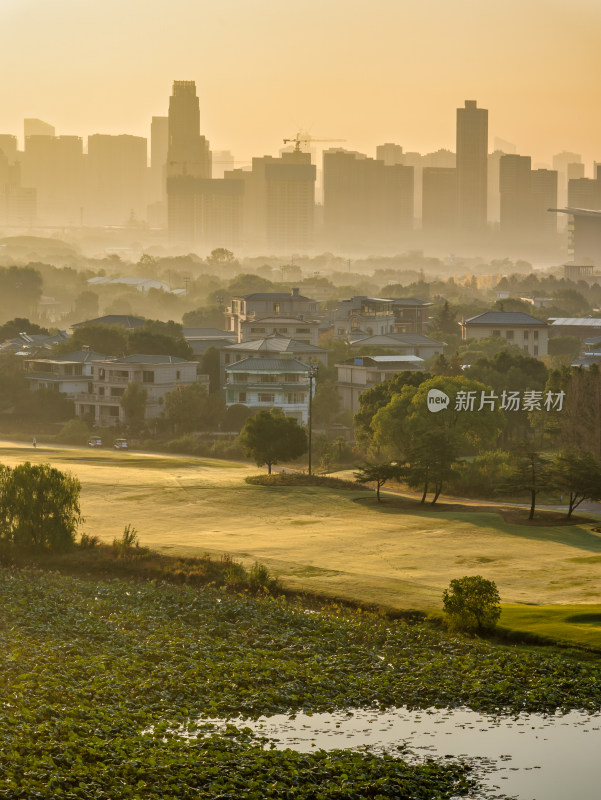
[339, 543]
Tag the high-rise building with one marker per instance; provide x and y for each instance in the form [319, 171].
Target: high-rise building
[54, 167]
[514, 190]
[279, 201]
[36, 127]
[188, 161]
[584, 193]
[367, 204]
[526, 195]
[188, 151]
[8, 145]
[472, 152]
[116, 179]
[439, 200]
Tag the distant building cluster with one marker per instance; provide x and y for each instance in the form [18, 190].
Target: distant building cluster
[382, 204]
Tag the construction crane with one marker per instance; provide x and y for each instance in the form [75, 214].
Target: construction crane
[304, 138]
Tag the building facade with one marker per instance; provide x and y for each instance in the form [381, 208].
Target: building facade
[528, 333]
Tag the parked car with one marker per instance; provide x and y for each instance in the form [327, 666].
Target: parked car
[94, 441]
[120, 444]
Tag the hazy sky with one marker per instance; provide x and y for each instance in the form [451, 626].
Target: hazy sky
[368, 72]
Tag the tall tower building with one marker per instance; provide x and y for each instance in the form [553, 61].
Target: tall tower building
[472, 152]
[188, 151]
[188, 161]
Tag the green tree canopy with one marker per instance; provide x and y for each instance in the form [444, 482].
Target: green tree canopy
[270, 437]
[186, 408]
[576, 474]
[39, 507]
[379, 474]
[471, 604]
[133, 403]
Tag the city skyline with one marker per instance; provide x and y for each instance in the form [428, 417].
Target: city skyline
[264, 73]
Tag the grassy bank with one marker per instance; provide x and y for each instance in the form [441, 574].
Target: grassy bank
[338, 542]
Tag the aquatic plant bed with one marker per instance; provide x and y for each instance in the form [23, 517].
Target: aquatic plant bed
[95, 675]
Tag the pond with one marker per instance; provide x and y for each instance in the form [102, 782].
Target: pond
[530, 757]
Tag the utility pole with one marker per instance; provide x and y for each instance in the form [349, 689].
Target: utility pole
[312, 376]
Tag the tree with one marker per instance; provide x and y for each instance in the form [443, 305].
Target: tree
[210, 365]
[133, 403]
[269, 437]
[14, 327]
[39, 507]
[186, 407]
[443, 319]
[578, 475]
[379, 474]
[326, 403]
[109, 340]
[531, 474]
[471, 604]
[147, 342]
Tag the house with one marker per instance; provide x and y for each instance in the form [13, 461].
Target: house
[372, 315]
[581, 327]
[528, 333]
[124, 320]
[264, 383]
[267, 305]
[298, 328]
[356, 375]
[29, 344]
[410, 315]
[157, 374]
[274, 346]
[200, 339]
[409, 344]
[68, 374]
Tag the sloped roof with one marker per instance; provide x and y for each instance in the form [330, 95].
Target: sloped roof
[79, 356]
[397, 340]
[207, 333]
[124, 320]
[276, 296]
[584, 322]
[268, 365]
[143, 358]
[276, 343]
[282, 320]
[505, 318]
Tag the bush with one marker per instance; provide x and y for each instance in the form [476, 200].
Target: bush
[482, 476]
[471, 604]
[75, 431]
[39, 507]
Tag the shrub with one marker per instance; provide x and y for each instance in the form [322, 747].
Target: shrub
[471, 604]
[75, 431]
[39, 507]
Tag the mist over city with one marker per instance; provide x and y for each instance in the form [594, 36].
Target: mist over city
[300, 400]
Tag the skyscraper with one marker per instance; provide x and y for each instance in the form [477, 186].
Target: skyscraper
[188, 151]
[188, 161]
[472, 151]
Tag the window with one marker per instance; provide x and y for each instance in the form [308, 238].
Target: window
[536, 336]
[276, 308]
[257, 330]
[119, 392]
[101, 391]
[242, 397]
[535, 350]
[496, 333]
[509, 335]
[290, 377]
[303, 330]
[296, 397]
[268, 379]
[148, 376]
[113, 411]
[341, 332]
[266, 397]
[526, 335]
[101, 374]
[177, 375]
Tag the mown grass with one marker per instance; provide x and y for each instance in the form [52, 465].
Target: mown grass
[336, 542]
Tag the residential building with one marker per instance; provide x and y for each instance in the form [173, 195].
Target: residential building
[364, 316]
[264, 383]
[116, 168]
[259, 306]
[158, 375]
[302, 330]
[528, 333]
[408, 344]
[68, 374]
[357, 375]
[472, 154]
[200, 339]
[410, 314]
[275, 345]
[124, 320]
[367, 203]
[278, 201]
[439, 200]
[583, 328]
[33, 344]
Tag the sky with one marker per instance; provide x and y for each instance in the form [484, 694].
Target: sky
[367, 72]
